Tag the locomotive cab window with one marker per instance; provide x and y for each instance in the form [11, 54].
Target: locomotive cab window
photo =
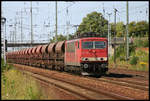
[93, 45]
[87, 45]
[99, 44]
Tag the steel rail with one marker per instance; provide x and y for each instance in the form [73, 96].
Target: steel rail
[101, 91]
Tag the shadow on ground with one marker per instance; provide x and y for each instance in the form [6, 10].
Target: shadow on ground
[115, 75]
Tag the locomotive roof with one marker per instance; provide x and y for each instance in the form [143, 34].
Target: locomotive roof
[87, 38]
[87, 35]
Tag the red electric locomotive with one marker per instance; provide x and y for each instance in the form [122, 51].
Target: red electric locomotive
[88, 55]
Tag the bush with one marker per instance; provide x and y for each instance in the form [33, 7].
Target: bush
[134, 60]
[141, 42]
[2, 65]
[146, 43]
[5, 67]
[132, 49]
[143, 56]
[120, 51]
[122, 58]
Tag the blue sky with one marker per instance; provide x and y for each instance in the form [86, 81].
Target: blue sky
[77, 11]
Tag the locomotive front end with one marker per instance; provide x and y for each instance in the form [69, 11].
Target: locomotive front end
[94, 56]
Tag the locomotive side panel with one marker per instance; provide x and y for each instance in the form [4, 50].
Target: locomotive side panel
[72, 53]
[77, 53]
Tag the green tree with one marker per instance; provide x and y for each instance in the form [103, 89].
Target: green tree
[59, 38]
[94, 22]
[135, 29]
[142, 28]
[132, 28]
[71, 36]
[120, 29]
[113, 31]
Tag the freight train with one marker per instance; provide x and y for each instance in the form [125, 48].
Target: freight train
[83, 55]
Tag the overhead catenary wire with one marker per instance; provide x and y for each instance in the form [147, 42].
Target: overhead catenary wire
[131, 9]
[61, 27]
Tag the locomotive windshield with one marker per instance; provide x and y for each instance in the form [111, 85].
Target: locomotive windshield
[93, 45]
[99, 44]
[87, 45]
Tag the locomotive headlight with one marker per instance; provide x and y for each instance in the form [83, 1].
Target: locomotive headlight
[105, 58]
[85, 65]
[84, 59]
[102, 59]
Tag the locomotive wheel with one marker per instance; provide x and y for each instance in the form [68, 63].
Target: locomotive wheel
[62, 69]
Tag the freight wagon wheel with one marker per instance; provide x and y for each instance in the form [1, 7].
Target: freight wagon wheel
[53, 67]
[46, 67]
[65, 69]
[61, 69]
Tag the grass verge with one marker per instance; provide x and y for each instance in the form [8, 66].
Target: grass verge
[16, 86]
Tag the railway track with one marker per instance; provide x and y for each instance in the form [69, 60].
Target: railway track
[125, 75]
[134, 83]
[59, 84]
[120, 82]
[78, 90]
[138, 75]
[115, 91]
[123, 68]
[130, 80]
[82, 91]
